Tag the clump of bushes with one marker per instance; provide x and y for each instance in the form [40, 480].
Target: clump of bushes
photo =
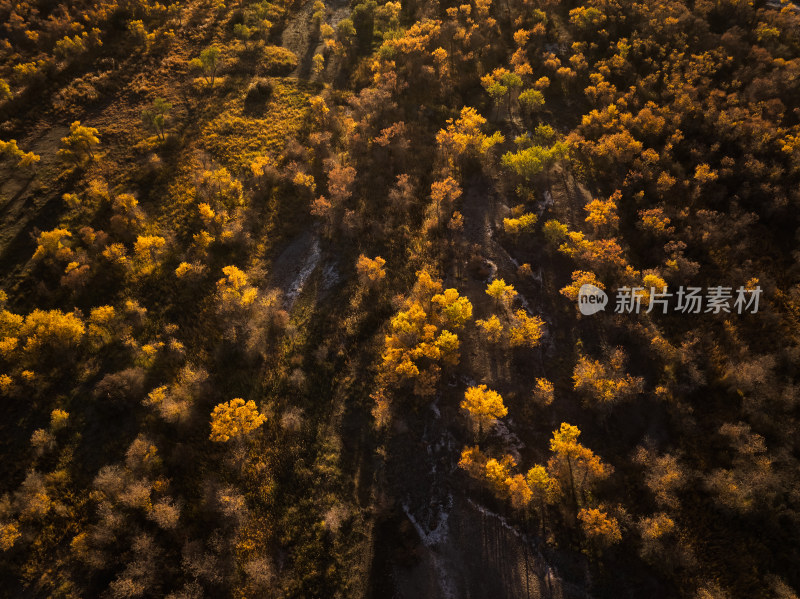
[278, 61]
[259, 91]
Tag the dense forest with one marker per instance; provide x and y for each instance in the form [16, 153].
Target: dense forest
[290, 299]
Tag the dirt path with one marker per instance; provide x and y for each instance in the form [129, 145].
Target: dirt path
[25, 205]
[302, 38]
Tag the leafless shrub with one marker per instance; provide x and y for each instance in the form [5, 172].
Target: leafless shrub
[292, 420]
[121, 386]
[165, 513]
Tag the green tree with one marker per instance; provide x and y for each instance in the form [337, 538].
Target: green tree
[242, 32]
[456, 310]
[531, 161]
[208, 63]
[346, 33]
[155, 117]
[363, 16]
[531, 99]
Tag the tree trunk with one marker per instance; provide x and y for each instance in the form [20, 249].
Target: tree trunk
[572, 485]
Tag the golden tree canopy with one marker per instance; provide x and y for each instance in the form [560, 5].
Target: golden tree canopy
[491, 329]
[456, 309]
[233, 288]
[599, 526]
[525, 330]
[234, 419]
[501, 292]
[80, 142]
[370, 270]
[483, 405]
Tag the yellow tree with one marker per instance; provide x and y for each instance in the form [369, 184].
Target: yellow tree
[370, 270]
[464, 136]
[473, 461]
[221, 188]
[704, 174]
[10, 149]
[497, 472]
[9, 533]
[544, 489]
[654, 221]
[101, 325]
[525, 331]
[53, 245]
[599, 527]
[148, 250]
[602, 214]
[523, 223]
[79, 144]
[499, 475]
[420, 337]
[53, 328]
[574, 464]
[653, 530]
[416, 344]
[448, 344]
[404, 347]
[518, 491]
[491, 329]
[543, 392]
[456, 310]
[234, 419]
[444, 194]
[652, 282]
[579, 279]
[233, 288]
[426, 287]
[501, 292]
[484, 406]
[605, 383]
[664, 476]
